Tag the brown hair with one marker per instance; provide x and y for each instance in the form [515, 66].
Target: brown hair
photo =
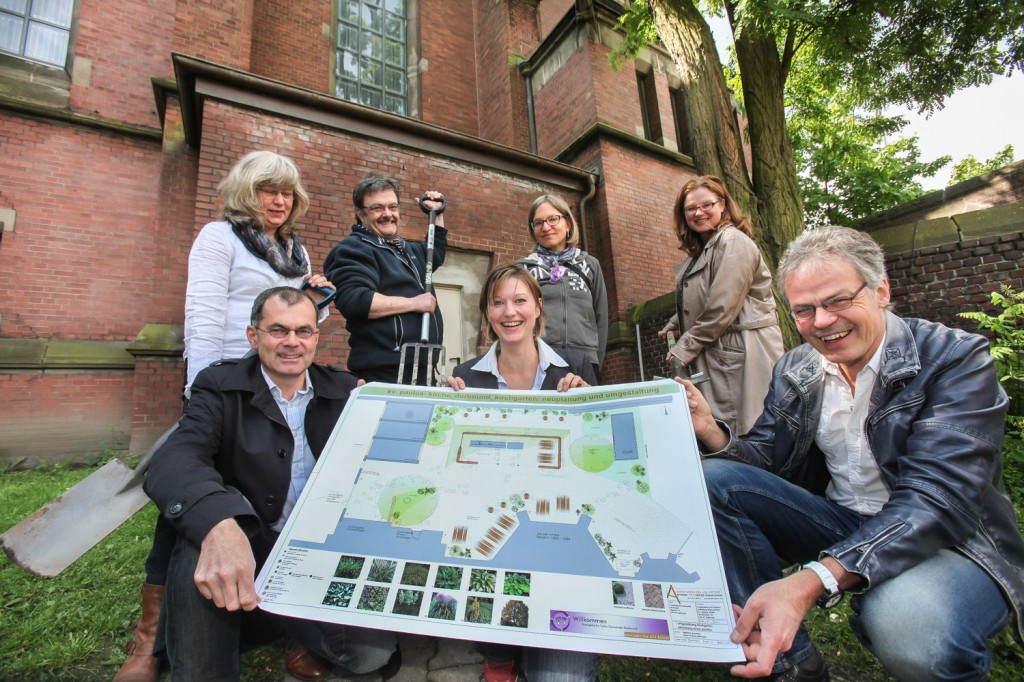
[496, 279]
[689, 241]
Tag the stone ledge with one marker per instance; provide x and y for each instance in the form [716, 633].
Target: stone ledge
[158, 339]
[63, 354]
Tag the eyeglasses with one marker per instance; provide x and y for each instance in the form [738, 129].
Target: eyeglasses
[278, 332]
[379, 208]
[833, 305]
[285, 193]
[692, 210]
[551, 220]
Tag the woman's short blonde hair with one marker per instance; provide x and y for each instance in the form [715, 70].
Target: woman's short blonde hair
[497, 279]
[572, 238]
[239, 191]
[690, 241]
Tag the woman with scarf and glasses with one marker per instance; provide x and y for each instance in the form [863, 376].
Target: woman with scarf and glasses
[725, 310]
[575, 299]
[255, 247]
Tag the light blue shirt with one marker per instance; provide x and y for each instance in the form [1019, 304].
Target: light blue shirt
[489, 363]
[294, 412]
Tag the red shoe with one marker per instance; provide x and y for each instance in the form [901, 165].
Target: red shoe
[501, 672]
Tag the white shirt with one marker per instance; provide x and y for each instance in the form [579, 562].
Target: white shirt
[294, 412]
[223, 281]
[856, 479]
[548, 357]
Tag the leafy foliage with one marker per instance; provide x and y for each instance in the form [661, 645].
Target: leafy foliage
[382, 571]
[349, 567]
[407, 602]
[373, 598]
[448, 577]
[442, 606]
[1007, 328]
[479, 609]
[415, 574]
[850, 162]
[517, 584]
[482, 580]
[969, 167]
[339, 594]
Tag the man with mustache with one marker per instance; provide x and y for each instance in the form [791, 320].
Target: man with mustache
[876, 465]
[380, 281]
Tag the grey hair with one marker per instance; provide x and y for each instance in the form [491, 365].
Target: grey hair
[822, 244]
[572, 237]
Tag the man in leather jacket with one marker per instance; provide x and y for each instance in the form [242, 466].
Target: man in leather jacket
[875, 464]
[227, 479]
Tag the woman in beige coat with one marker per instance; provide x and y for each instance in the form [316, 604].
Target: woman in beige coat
[730, 330]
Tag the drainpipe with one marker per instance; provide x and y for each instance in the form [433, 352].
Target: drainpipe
[583, 210]
[530, 116]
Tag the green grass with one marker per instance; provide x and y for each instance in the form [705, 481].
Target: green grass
[75, 626]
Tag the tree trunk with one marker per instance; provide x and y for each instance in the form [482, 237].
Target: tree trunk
[773, 200]
[714, 130]
[781, 208]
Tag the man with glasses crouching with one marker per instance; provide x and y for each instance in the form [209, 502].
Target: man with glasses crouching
[875, 465]
[380, 281]
[227, 479]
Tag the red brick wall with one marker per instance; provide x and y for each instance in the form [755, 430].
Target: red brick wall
[156, 399]
[288, 42]
[219, 31]
[939, 282]
[80, 261]
[127, 44]
[447, 41]
[617, 101]
[485, 210]
[47, 417]
[551, 12]
[566, 106]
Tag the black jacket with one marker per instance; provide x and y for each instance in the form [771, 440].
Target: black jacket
[232, 451]
[360, 266]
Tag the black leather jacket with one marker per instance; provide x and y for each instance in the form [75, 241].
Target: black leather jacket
[935, 426]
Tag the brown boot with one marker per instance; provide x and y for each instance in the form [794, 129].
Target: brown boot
[141, 665]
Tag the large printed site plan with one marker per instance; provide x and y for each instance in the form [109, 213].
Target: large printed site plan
[575, 521]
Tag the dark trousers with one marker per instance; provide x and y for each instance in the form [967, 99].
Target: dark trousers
[203, 641]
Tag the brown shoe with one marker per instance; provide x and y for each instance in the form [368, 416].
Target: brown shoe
[303, 663]
[141, 665]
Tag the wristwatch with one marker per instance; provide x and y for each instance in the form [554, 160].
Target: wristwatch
[833, 595]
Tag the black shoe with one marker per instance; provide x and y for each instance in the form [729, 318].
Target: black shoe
[391, 668]
[811, 669]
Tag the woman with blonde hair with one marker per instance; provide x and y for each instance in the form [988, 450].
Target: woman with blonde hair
[513, 308]
[255, 247]
[725, 309]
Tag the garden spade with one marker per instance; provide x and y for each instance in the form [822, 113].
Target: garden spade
[431, 354]
[60, 532]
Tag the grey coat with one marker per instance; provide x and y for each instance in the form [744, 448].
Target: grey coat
[730, 328]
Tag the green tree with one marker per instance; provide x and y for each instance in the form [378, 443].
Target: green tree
[970, 167]
[850, 162]
[913, 53]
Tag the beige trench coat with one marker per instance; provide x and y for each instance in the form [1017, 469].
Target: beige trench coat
[730, 329]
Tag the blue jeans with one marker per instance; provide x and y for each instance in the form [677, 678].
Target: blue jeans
[931, 622]
[544, 665]
[203, 641]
